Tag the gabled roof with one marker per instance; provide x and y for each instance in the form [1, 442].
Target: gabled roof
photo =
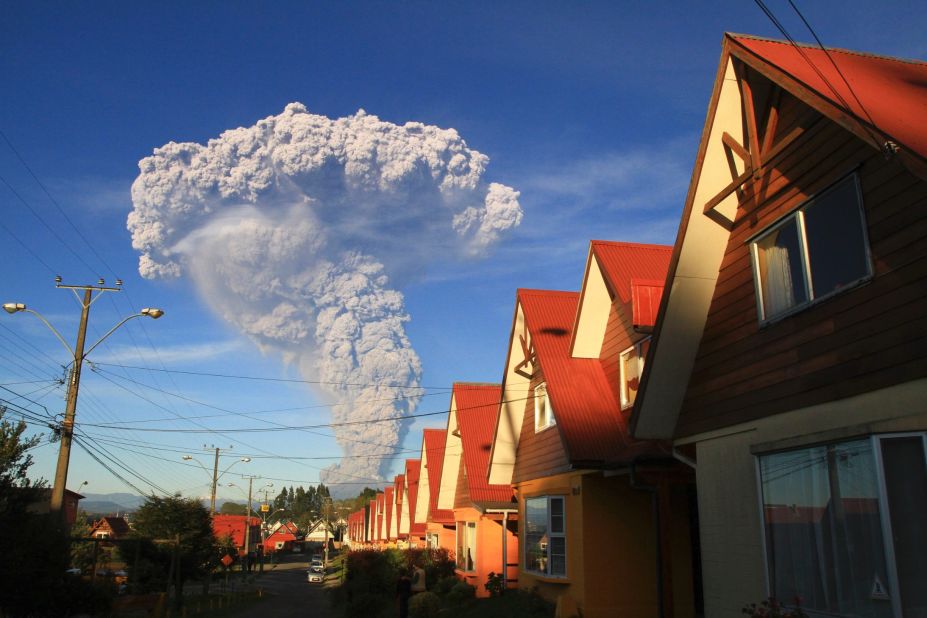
[588, 417]
[631, 274]
[477, 408]
[891, 90]
[894, 97]
[117, 525]
[433, 456]
[623, 262]
[413, 469]
[389, 504]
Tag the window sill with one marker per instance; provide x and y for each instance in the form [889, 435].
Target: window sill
[550, 579]
[538, 430]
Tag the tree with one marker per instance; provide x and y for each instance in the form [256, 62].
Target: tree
[81, 553]
[33, 581]
[176, 537]
[232, 508]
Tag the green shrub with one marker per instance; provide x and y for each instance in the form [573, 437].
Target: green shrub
[461, 593]
[494, 584]
[444, 585]
[424, 605]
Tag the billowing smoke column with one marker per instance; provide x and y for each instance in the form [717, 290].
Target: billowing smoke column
[297, 230]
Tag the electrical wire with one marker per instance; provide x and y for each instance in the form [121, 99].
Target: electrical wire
[285, 380]
[779, 26]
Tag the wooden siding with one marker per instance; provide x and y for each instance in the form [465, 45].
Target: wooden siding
[862, 339]
[539, 454]
[462, 493]
[619, 336]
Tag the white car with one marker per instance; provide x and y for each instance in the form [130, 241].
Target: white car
[315, 577]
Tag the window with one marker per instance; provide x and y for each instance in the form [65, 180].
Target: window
[543, 412]
[815, 252]
[545, 535]
[466, 545]
[632, 365]
[844, 526]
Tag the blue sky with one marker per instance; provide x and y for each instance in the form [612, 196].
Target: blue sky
[592, 111]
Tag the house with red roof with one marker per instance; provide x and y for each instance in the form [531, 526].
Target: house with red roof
[604, 519]
[109, 528]
[413, 529]
[486, 516]
[787, 359]
[234, 526]
[396, 533]
[440, 528]
[281, 537]
[389, 511]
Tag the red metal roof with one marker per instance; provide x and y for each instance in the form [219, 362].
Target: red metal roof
[891, 90]
[434, 448]
[477, 411]
[585, 410]
[645, 301]
[389, 505]
[397, 498]
[234, 526]
[413, 468]
[622, 262]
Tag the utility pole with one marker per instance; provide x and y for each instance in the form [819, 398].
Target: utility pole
[248, 525]
[215, 479]
[67, 426]
[327, 509]
[78, 355]
[215, 474]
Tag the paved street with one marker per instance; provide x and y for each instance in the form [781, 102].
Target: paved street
[288, 594]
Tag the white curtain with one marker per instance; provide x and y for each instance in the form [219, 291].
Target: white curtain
[778, 294]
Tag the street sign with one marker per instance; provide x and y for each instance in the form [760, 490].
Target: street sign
[265, 508]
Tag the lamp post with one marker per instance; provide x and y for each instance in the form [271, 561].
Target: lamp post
[215, 474]
[78, 354]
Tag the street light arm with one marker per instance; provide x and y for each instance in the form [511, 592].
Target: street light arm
[243, 459]
[197, 462]
[113, 329]
[51, 328]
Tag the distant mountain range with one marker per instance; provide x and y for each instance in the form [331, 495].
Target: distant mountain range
[110, 504]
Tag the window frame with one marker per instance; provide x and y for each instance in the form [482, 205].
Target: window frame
[797, 214]
[549, 409]
[888, 543]
[550, 534]
[462, 528]
[622, 380]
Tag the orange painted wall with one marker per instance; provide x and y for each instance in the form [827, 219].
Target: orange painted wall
[447, 538]
[611, 548]
[488, 549]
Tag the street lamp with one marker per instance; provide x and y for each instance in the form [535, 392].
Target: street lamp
[78, 354]
[216, 475]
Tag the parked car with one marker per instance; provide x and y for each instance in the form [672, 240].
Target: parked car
[317, 566]
[315, 577]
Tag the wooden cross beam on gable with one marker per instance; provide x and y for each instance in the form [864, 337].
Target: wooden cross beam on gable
[755, 156]
[529, 358]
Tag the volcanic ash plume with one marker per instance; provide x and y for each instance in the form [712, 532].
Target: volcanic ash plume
[297, 230]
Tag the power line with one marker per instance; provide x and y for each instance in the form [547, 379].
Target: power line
[286, 380]
[779, 26]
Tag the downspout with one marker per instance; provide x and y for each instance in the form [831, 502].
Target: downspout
[505, 553]
[655, 508]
